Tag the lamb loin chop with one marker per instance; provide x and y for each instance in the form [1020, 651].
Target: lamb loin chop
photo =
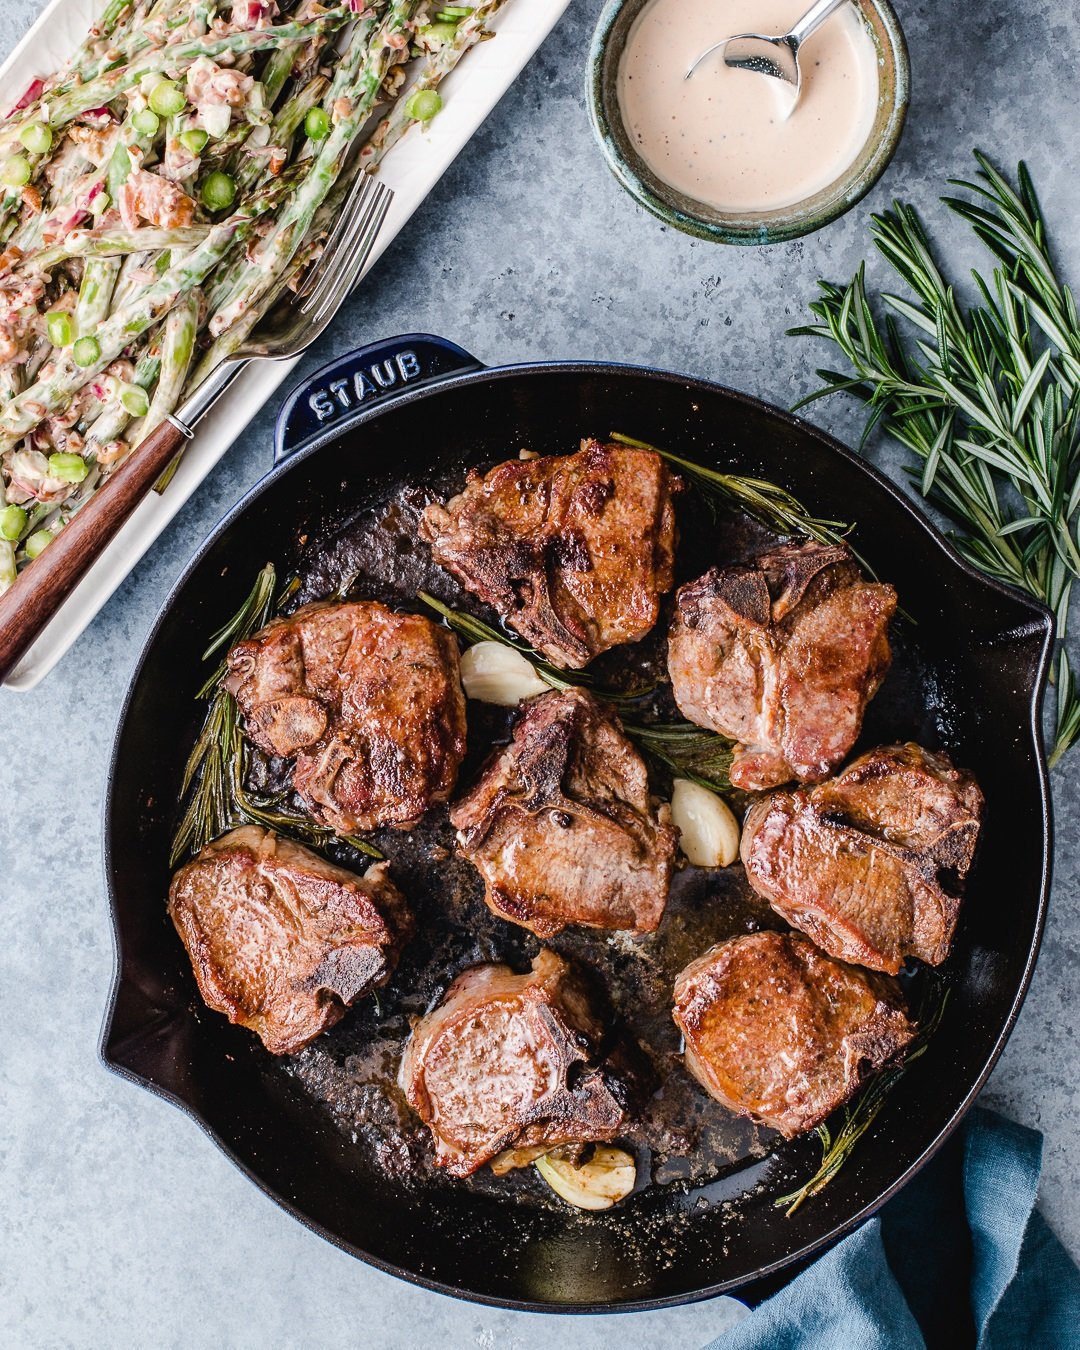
[782, 654]
[368, 700]
[870, 863]
[512, 1062]
[561, 826]
[574, 551]
[780, 1033]
[281, 941]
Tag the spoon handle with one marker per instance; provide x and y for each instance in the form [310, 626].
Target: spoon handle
[812, 20]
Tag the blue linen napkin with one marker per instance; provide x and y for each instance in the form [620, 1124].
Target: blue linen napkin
[960, 1258]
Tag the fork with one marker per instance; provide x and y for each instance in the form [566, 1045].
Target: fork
[292, 324]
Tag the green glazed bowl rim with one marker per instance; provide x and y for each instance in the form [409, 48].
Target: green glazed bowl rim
[765, 227]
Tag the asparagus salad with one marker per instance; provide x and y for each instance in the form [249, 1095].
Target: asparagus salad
[157, 195]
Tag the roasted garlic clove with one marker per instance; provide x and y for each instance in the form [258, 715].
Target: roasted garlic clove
[607, 1177]
[708, 830]
[494, 673]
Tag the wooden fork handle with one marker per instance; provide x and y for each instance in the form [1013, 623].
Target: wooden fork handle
[45, 583]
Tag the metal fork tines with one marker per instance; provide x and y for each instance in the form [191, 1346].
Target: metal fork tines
[294, 321]
[347, 249]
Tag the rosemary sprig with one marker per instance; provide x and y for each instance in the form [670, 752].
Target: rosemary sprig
[766, 502]
[216, 770]
[860, 1115]
[475, 630]
[986, 396]
[687, 750]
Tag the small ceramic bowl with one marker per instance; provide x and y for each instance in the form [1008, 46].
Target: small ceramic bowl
[744, 227]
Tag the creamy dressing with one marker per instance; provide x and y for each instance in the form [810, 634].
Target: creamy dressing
[724, 137]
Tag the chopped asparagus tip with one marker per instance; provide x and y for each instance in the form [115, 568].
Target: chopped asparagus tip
[86, 352]
[37, 542]
[146, 122]
[68, 468]
[423, 105]
[12, 522]
[167, 99]
[317, 125]
[37, 138]
[135, 400]
[60, 328]
[218, 191]
[15, 172]
[194, 140]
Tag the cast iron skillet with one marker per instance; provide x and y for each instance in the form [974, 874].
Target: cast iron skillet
[392, 413]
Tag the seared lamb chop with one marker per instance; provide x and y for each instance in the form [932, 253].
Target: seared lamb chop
[870, 863]
[561, 826]
[512, 1062]
[367, 699]
[281, 941]
[782, 654]
[778, 1032]
[574, 551]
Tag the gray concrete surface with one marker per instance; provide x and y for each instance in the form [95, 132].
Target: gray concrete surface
[120, 1224]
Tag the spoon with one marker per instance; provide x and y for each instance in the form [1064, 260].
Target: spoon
[775, 56]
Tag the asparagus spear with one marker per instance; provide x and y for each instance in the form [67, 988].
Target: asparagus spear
[177, 350]
[116, 242]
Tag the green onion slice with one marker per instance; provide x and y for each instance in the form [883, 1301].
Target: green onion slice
[317, 125]
[15, 172]
[167, 99]
[218, 191]
[12, 522]
[37, 138]
[194, 140]
[134, 399]
[37, 542]
[60, 328]
[86, 352]
[423, 105]
[68, 468]
[146, 122]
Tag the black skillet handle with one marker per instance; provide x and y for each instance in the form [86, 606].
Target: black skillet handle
[363, 379]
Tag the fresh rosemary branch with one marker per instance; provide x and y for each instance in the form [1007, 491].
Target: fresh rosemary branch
[687, 750]
[475, 630]
[858, 1117]
[987, 396]
[768, 503]
[215, 774]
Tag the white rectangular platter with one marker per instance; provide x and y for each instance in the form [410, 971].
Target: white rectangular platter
[412, 169]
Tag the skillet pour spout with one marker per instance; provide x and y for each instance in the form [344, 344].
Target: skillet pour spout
[402, 421]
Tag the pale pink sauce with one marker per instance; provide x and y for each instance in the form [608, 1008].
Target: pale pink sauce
[722, 137]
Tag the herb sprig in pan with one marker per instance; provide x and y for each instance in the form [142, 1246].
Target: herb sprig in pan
[859, 1116]
[214, 778]
[987, 396]
[768, 503]
[688, 750]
